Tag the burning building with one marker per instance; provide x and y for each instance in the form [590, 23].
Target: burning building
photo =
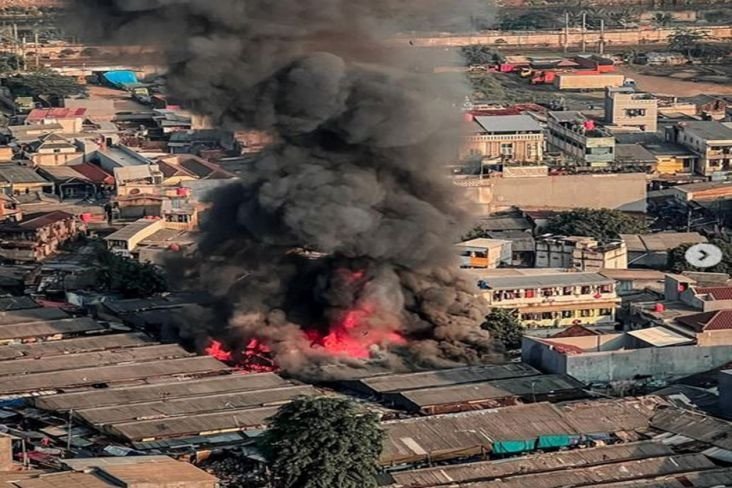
[336, 244]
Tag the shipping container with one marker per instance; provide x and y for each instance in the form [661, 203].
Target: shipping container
[573, 81]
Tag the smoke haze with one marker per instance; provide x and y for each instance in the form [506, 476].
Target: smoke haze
[335, 247]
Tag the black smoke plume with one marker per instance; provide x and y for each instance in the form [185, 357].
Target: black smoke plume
[345, 225]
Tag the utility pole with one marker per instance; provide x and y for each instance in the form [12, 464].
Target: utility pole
[566, 31]
[584, 31]
[37, 50]
[602, 36]
[68, 430]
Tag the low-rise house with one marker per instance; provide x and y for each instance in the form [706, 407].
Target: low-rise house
[580, 139]
[626, 107]
[19, 180]
[630, 281]
[484, 253]
[56, 150]
[196, 167]
[510, 138]
[699, 192]
[138, 179]
[711, 141]
[38, 235]
[656, 353]
[103, 181]
[70, 120]
[580, 253]
[557, 299]
[25, 134]
[671, 158]
[119, 156]
[523, 247]
[125, 240]
[196, 141]
[651, 250]
[69, 183]
[710, 328]
[9, 208]
[634, 157]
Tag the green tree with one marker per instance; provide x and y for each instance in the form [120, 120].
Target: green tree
[317, 442]
[43, 84]
[478, 54]
[128, 277]
[504, 327]
[677, 260]
[9, 62]
[602, 224]
[686, 41]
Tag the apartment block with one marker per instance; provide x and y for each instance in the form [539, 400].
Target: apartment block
[711, 141]
[580, 139]
[558, 299]
[625, 107]
[510, 138]
[484, 253]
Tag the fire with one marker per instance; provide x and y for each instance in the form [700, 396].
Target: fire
[351, 336]
[353, 333]
[255, 358]
[216, 350]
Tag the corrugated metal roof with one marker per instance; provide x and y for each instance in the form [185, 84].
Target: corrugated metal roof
[89, 359]
[10, 173]
[65, 480]
[67, 346]
[48, 328]
[661, 241]
[660, 337]
[131, 230]
[170, 390]
[109, 374]
[554, 279]
[194, 405]
[462, 473]
[537, 385]
[457, 435]
[592, 476]
[194, 424]
[703, 428]
[454, 376]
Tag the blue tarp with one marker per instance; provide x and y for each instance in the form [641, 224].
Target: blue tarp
[513, 447]
[121, 79]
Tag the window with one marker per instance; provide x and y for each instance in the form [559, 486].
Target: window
[606, 311]
[606, 289]
[529, 293]
[547, 315]
[567, 290]
[547, 292]
[567, 314]
[585, 290]
[586, 313]
[507, 149]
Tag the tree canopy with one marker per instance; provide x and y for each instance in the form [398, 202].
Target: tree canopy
[677, 260]
[128, 277]
[43, 84]
[315, 442]
[504, 327]
[601, 224]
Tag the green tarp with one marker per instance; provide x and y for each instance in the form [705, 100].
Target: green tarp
[512, 447]
[553, 441]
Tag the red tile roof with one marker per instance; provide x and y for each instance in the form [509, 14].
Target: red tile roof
[40, 114]
[719, 320]
[716, 292]
[94, 173]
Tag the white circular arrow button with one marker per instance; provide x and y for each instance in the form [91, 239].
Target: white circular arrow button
[703, 255]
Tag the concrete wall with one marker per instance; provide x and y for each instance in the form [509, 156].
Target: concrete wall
[6, 453]
[659, 363]
[542, 357]
[617, 191]
[614, 37]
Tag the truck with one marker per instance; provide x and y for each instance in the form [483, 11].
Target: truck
[582, 82]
